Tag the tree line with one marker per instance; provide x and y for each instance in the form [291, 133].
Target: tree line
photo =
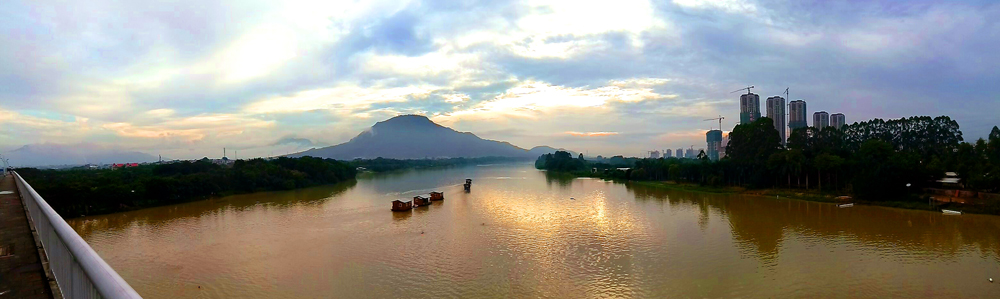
[79, 192]
[875, 160]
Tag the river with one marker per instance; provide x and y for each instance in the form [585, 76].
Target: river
[523, 233]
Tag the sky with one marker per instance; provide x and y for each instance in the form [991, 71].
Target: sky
[186, 78]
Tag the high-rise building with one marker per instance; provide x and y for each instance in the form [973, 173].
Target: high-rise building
[667, 153]
[797, 115]
[776, 112]
[680, 153]
[821, 120]
[654, 154]
[689, 153]
[714, 139]
[838, 120]
[749, 108]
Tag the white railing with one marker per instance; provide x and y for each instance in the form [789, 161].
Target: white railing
[79, 271]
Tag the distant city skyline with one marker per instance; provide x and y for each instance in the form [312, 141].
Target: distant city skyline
[185, 78]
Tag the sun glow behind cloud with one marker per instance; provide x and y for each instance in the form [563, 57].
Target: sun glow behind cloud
[257, 53]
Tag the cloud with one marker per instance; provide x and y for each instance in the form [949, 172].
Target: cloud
[591, 134]
[532, 99]
[730, 6]
[296, 141]
[343, 99]
[189, 77]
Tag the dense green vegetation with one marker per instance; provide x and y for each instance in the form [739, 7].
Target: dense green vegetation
[875, 160]
[560, 161]
[83, 192]
[382, 164]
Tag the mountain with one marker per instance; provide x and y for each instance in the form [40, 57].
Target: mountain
[417, 137]
[51, 154]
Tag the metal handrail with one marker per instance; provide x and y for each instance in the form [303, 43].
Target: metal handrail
[78, 270]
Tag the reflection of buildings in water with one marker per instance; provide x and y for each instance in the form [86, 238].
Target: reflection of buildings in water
[760, 224]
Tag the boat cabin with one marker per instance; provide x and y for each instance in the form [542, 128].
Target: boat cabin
[437, 195]
[421, 201]
[399, 205]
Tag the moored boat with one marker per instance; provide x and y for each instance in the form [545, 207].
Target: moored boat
[421, 201]
[951, 212]
[437, 195]
[399, 205]
[846, 205]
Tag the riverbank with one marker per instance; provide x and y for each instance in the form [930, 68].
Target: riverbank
[919, 203]
[86, 192]
[83, 192]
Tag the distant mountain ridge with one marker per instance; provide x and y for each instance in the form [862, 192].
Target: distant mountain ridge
[51, 154]
[417, 137]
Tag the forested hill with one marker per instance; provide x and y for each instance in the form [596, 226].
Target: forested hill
[75, 193]
[417, 137]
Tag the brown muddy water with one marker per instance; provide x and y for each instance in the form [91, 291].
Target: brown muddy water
[521, 233]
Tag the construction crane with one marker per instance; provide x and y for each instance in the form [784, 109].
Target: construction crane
[720, 118]
[746, 88]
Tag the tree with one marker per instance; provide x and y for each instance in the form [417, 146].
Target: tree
[675, 172]
[777, 163]
[753, 142]
[795, 161]
[560, 161]
[750, 145]
[878, 174]
[826, 162]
